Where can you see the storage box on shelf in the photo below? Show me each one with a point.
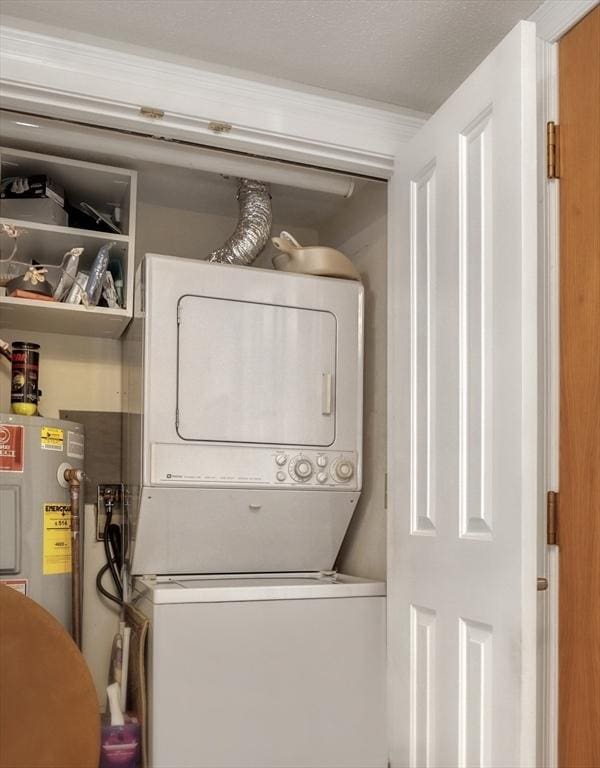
(101, 187)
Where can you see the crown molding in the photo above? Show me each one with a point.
(554, 18)
(63, 78)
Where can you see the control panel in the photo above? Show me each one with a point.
(266, 467)
(314, 468)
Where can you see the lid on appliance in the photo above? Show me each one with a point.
(244, 587)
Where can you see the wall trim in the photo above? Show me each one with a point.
(556, 17)
(60, 77)
(549, 392)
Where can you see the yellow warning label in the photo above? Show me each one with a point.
(52, 438)
(57, 538)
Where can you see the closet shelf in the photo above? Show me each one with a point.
(73, 231)
(48, 242)
(50, 317)
(103, 187)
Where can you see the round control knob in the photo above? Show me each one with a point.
(304, 469)
(344, 471)
(322, 477)
(281, 476)
(280, 459)
(322, 461)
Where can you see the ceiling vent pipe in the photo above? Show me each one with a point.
(253, 229)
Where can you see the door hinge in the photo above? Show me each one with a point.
(551, 518)
(385, 490)
(552, 150)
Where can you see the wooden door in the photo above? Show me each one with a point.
(579, 482)
(463, 424)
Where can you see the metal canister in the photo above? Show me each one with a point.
(24, 378)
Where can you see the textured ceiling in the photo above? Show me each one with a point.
(410, 53)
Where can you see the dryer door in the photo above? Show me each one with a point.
(255, 373)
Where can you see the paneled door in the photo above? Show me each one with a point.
(463, 425)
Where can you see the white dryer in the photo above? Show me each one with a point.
(243, 424)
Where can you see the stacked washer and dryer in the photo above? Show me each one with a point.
(243, 466)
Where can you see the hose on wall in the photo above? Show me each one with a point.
(74, 478)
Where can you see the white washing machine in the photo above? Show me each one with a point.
(265, 671)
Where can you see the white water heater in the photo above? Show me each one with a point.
(35, 508)
(243, 424)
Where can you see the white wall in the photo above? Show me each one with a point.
(76, 373)
(360, 231)
(193, 234)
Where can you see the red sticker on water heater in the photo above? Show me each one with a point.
(11, 448)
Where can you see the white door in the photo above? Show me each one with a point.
(463, 424)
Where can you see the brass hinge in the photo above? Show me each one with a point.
(552, 150)
(551, 518)
(152, 112)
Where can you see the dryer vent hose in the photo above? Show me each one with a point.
(253, 229)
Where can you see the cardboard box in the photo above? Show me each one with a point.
(20, 294)
(43, 210)
(37, 186)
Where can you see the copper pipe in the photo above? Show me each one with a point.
(74, 477)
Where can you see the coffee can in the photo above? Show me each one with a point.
(24, 378)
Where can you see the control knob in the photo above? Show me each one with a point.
(322, 477)
(280, 459)
(322, 461)
(303, 469)
(344, 471)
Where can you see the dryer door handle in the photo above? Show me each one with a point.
(327, 382)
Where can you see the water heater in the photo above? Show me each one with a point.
(35, 511)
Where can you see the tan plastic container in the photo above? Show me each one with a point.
(312, 260)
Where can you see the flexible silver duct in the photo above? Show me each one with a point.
(253, 229)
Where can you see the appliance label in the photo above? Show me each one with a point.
(19, 585)
(75, 442)
(57, 539)
(52, 438)
(11, 448)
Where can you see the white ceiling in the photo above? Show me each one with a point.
(410, 53)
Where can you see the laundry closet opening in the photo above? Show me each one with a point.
(178, 208)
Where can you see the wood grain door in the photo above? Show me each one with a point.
(579, 534)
